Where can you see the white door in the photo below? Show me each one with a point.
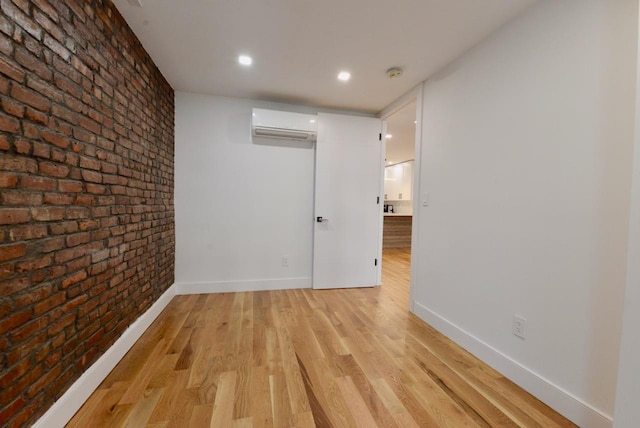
(347, 209)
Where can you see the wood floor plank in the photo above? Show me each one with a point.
(142, 410)
(201, 415)
(361, 414)
(280, 403)
(306, 358)
(261, 395)
(176, 401)
(223, 406)
(380, 413)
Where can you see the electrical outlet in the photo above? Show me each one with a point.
(520, 327)
(285, 260)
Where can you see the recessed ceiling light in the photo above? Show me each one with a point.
(388, 136)
(312, 121)
(245, 60)
(344, 76)
(415, 122)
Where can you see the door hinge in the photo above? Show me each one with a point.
(378, 200)
(379, 137)
(375, 262)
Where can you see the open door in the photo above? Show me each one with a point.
(348, 213)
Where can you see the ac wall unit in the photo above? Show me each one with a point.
(283, 125)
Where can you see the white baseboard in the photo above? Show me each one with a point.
(63, 410)
(562, 401)
(239, 286)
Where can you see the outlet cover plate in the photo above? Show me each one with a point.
(519, 327)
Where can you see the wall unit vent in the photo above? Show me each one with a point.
(283, 125)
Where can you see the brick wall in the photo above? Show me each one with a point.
(86, 193)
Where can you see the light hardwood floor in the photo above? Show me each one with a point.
(353, 358)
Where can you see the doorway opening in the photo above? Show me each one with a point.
(399, 194)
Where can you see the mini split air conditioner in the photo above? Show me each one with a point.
(283, 125)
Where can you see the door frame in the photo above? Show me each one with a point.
(415, 94)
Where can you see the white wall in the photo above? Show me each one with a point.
(240, 206)
(627, 411)
(526, 154)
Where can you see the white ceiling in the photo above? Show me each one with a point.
(299, 46)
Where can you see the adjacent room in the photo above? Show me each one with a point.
(338, 213)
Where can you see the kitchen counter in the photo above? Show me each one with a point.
(396, 232)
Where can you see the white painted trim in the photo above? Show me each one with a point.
(415, 94)
(417, 198)
(63, 410)
(383, 153)
(405, 99)
(546, 391)
(626, 412)
(242, 285)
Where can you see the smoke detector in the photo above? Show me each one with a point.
(394, 72)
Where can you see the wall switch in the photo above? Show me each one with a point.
(519, 327)
(285, 260)
(425, 200)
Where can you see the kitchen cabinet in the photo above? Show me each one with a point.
(397, 232)
(398, 180)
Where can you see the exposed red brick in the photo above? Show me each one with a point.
(85, 199)
(91, 176)
(22, 146)
(9, 123)
(18, 198)
(64, 228)
(13, 108)
(28, 329)
(32, 63)
(4, 143)
(46, 7)
(61, 323)
(53, 169)
(33, 264)
(47, 214)
(55, 139)
(52, 244)
(41, 150)
(67, 85)
(12, 286)
(12, 251)
(86, 161)
(34, 295)
(6, 270)
(37, 183)
(14, 215)
(18, 164)
(78, 238)
(31, 98)
(11, 70)
(12, 408)
(36, 116)
(8, 181)
(49, 303)
(14, 320)
(25, 233)
(69, 186)
(58, 199)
